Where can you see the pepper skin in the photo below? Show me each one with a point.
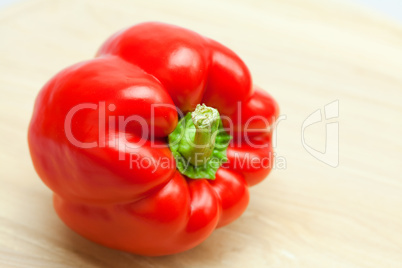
(82, 143)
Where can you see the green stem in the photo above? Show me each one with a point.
(206, 122)
(199, 143)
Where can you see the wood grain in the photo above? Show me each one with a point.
(307, 54)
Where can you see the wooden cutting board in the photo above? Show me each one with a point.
(307, 54)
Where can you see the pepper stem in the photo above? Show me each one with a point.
(206, 122)
(199, 143)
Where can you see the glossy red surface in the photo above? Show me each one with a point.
(81, 151)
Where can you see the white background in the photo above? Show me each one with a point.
(390, 8)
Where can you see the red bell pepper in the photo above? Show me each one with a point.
(105, 137)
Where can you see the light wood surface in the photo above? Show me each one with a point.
(307, 54)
